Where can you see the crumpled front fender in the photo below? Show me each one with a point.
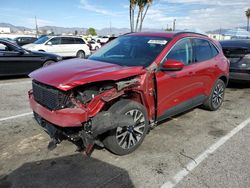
(105, 121)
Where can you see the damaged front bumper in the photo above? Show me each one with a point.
(67, 117)
(73, 124)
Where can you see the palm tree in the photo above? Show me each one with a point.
(131, 13)
(141, 4)
(248, 17)
(148, 3)
(141, 14)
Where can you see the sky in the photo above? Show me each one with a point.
(189, 14)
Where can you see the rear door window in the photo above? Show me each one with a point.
(202, 49)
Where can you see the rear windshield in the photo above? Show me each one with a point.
(131, 50)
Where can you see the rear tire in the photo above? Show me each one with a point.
(216, 97)
(80, 54)
(123, 141)
(47, 63)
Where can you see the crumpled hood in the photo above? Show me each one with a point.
(74, 72)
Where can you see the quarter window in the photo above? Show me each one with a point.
(214, 50)
(182, 51)
(79, 41)
(68, 40)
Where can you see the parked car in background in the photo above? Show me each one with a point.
(65, 46)
(15, 60)
(238, 53)
(102, 39)
(24, 40)
(111, 38)
(9, 39)
(94, 45)
(129, 85)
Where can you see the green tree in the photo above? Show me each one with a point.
(91, 31)
(168, 29)
(248, 17)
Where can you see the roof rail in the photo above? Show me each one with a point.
(188, 32)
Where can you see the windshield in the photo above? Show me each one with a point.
(41, 40)
(131, 50)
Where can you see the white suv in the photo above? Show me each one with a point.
(61, 45)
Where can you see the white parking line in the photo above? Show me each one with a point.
(14, 83)
(193, 164)
(17, 116)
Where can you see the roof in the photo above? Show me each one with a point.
(164, 34)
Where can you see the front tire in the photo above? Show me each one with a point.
(47, 63)
(216, 97)
(123, 141)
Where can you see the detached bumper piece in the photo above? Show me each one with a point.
(86, 136)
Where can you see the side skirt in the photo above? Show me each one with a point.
(187, 105)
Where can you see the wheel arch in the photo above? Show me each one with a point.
(224, 79)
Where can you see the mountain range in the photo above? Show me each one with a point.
(104, 31)
(60, 30)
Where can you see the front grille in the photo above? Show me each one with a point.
(48, 96)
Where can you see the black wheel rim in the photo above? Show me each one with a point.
(128, 137)
(218, 95)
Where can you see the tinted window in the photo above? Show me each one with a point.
(7, 47)
(3, 47)
(215, 52)
(182, 51)
(68, 40)
(55, 41)
(131, 50)
(79, 41)
(202, 50)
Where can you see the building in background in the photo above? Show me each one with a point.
(5, 30)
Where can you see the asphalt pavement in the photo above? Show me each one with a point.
(177, 153)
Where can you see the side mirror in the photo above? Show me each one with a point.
(172, 65)
(49, 43)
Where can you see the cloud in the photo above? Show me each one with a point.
(84, 4)
(201, 14)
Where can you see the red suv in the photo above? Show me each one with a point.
(113, 98)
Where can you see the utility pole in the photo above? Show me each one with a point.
(36, 27)
(110, 28)
(174, 24)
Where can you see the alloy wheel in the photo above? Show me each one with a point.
(128, 137)
(218, 95)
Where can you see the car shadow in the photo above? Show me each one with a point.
(238, 85)
(69, 171)
(13, 77)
